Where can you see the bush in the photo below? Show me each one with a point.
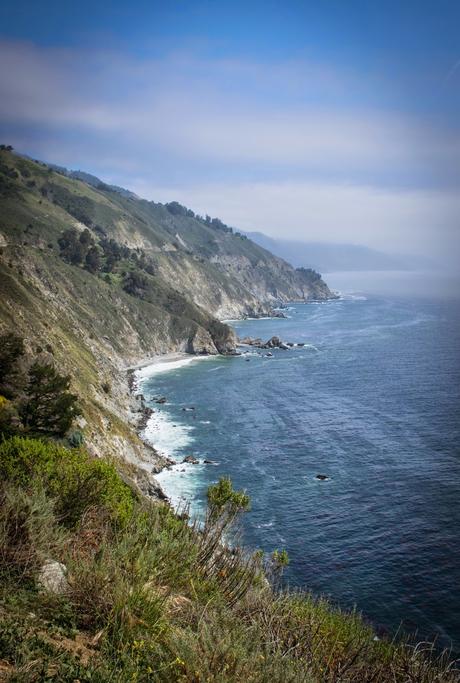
(222, 496)
(73, 479)
(76, 439)
(135, 283)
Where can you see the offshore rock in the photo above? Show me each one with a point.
(191, 460)
(272, 343)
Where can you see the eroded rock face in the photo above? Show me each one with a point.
(228, 344)
(202, 344)
(52, 578)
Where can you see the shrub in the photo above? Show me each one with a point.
(135, 283)
(75, 439)
(73, 479)
(222, 496)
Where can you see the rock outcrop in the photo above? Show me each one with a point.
(52, 578)
(201, 344)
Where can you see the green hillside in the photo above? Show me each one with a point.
(104, 280)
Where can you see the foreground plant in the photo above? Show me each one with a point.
(152, 597)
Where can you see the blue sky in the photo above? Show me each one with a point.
(324, 120)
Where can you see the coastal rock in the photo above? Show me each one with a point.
(52, 578)
(146, 413)
(149, 486)
(164, 464)
(251, 341)
(201, 344)
(161, 400)
(191, 460)
(225, 340)
(272, 343)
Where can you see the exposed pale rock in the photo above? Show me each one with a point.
(202, 344)
(52, 577)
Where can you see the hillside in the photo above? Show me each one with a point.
(98, 280)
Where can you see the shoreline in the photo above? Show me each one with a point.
(154, 419)
(145, 368)
(168, 357)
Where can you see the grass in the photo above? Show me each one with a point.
(153, 597)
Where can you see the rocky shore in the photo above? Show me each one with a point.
(272, 343)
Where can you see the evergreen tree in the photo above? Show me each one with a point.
(93, 260)
(49, 407)
(11, 349)
(73, 250)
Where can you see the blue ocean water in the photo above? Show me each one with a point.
(372, 401)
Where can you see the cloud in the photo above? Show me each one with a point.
(405, 221)
(221, 112)
(294, 148)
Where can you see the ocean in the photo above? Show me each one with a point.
(371, 401)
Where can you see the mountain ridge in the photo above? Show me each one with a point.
(327, 257)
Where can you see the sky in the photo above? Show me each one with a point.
(323, 121)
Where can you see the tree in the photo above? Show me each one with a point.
(73, 250)
(135, 283)
(309, 274)
(9, 419)
(11, 349)
(85, 238)
(93, 260)
(49, 407)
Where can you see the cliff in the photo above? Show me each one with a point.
(103, 279)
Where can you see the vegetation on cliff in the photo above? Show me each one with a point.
(143, 595)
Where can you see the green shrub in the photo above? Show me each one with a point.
(76, 438)
(222, 496)
(72, 478)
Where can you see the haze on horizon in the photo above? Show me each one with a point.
(332, 122)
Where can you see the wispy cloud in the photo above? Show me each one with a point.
(295, 147)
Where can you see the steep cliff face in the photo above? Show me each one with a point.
(104, 279)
